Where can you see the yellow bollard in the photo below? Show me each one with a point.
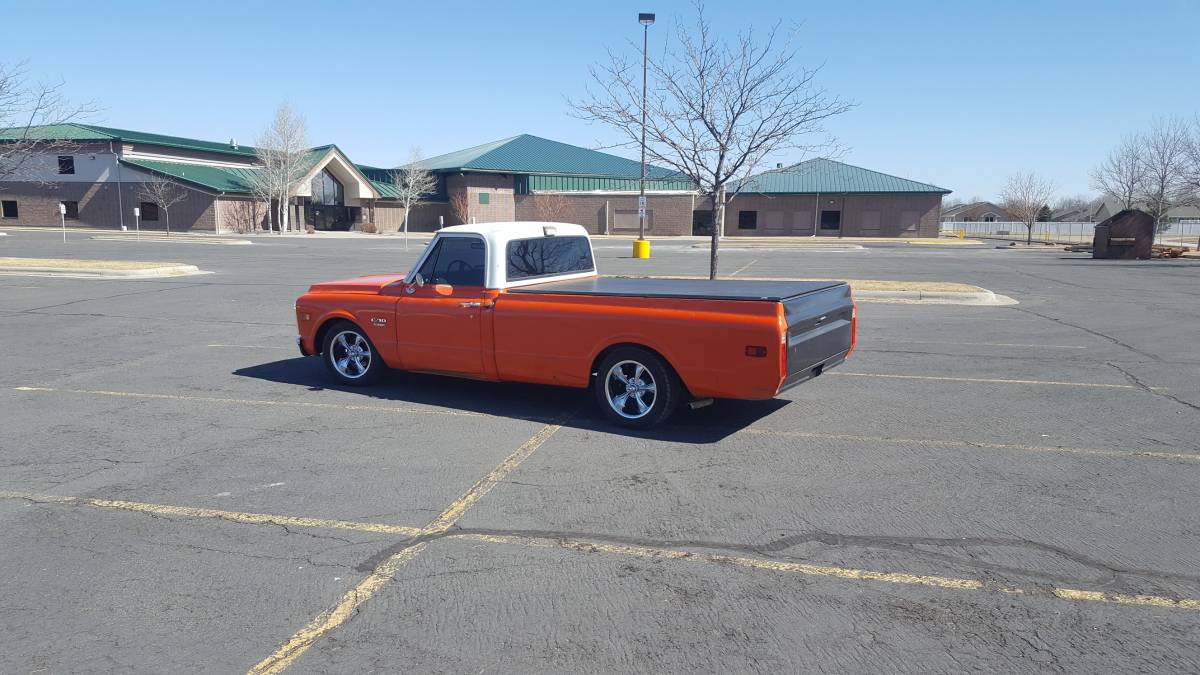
(641, 248)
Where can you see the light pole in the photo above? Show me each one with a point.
(641, 247)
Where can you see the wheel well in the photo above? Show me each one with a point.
(608, 350)
(323, 330)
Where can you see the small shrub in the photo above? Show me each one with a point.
(309, 229)
(369, 228)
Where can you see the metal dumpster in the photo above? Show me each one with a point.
(1126, 236)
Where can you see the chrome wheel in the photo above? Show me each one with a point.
(630, 389)
(350, 354)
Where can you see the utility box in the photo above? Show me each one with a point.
(1127, 235)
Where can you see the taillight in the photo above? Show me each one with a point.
(853, 324)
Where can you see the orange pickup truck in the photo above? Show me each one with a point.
(522, 302)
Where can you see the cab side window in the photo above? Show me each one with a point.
(458, 261)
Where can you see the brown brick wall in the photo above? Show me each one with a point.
(499, 189)
(99, 206)
(666, 215)
(871, 215)
(389, 216)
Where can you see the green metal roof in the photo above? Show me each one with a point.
(215, 178)
(173, 141)
(54, 132)
(92, 132)
(534, 155)
(827, 176)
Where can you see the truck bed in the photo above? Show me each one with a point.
(701, 289)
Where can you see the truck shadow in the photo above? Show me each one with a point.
(574, 408)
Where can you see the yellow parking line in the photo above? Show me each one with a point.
(1127, 454)
(337, 615)
(218, 514)
(984, 380)
(247, 401)
(934, 581)
(330, 619)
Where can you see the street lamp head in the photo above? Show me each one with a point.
(645, 19)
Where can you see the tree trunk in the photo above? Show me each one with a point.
(718, 209)
(407, 208)
(167, 213)
(1029, 234)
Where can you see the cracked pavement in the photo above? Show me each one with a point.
(1013, 485)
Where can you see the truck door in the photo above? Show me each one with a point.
(439, 324)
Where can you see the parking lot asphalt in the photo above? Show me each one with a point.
(978, 488)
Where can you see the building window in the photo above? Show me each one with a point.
(149, 211)
(9, 209)
(484, 198)
(66, 164)
(747, 220)
(72, 210)
(327, 190)
(989, 218)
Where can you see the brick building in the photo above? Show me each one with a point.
(827, 198)
(99, 173)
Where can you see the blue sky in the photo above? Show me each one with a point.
(957, 93)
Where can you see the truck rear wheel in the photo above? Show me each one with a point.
(635, 388)
(350, 356)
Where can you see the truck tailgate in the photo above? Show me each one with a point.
(820, 331)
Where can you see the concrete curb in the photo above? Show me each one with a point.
(158, 239)
(98, 273)
(982, 298)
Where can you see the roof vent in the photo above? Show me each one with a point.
(233, 143)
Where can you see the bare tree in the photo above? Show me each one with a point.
(282, 151)
(551, 207)
(1164, 152)
(1122, 175)
(413, 185)
(25, 107)
(1024, 196)
(1074, 203)
(460, 207)
(164, 194)
(716, 110)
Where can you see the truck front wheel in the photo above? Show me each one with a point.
(635, 388)
(350, 356)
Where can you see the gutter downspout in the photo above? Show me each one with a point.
(120, 197)
(816, 214)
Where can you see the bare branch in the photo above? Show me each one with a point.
(282, 151)
(26, 109)
(413, 185)
(716, 111)
(1024, 196)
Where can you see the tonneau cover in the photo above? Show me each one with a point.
(706, 289)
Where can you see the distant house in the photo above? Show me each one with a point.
(976, 212)
(1110, 207)
(1080, 214)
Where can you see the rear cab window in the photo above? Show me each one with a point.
(458, 261)
(548, 256)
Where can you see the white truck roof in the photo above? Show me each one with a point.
(496, 237)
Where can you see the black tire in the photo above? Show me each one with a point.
(641, 407)
(350, 356)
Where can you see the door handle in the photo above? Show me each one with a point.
(472, 304)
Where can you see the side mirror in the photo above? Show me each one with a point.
(418, 280)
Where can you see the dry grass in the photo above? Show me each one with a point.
(77, 264)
